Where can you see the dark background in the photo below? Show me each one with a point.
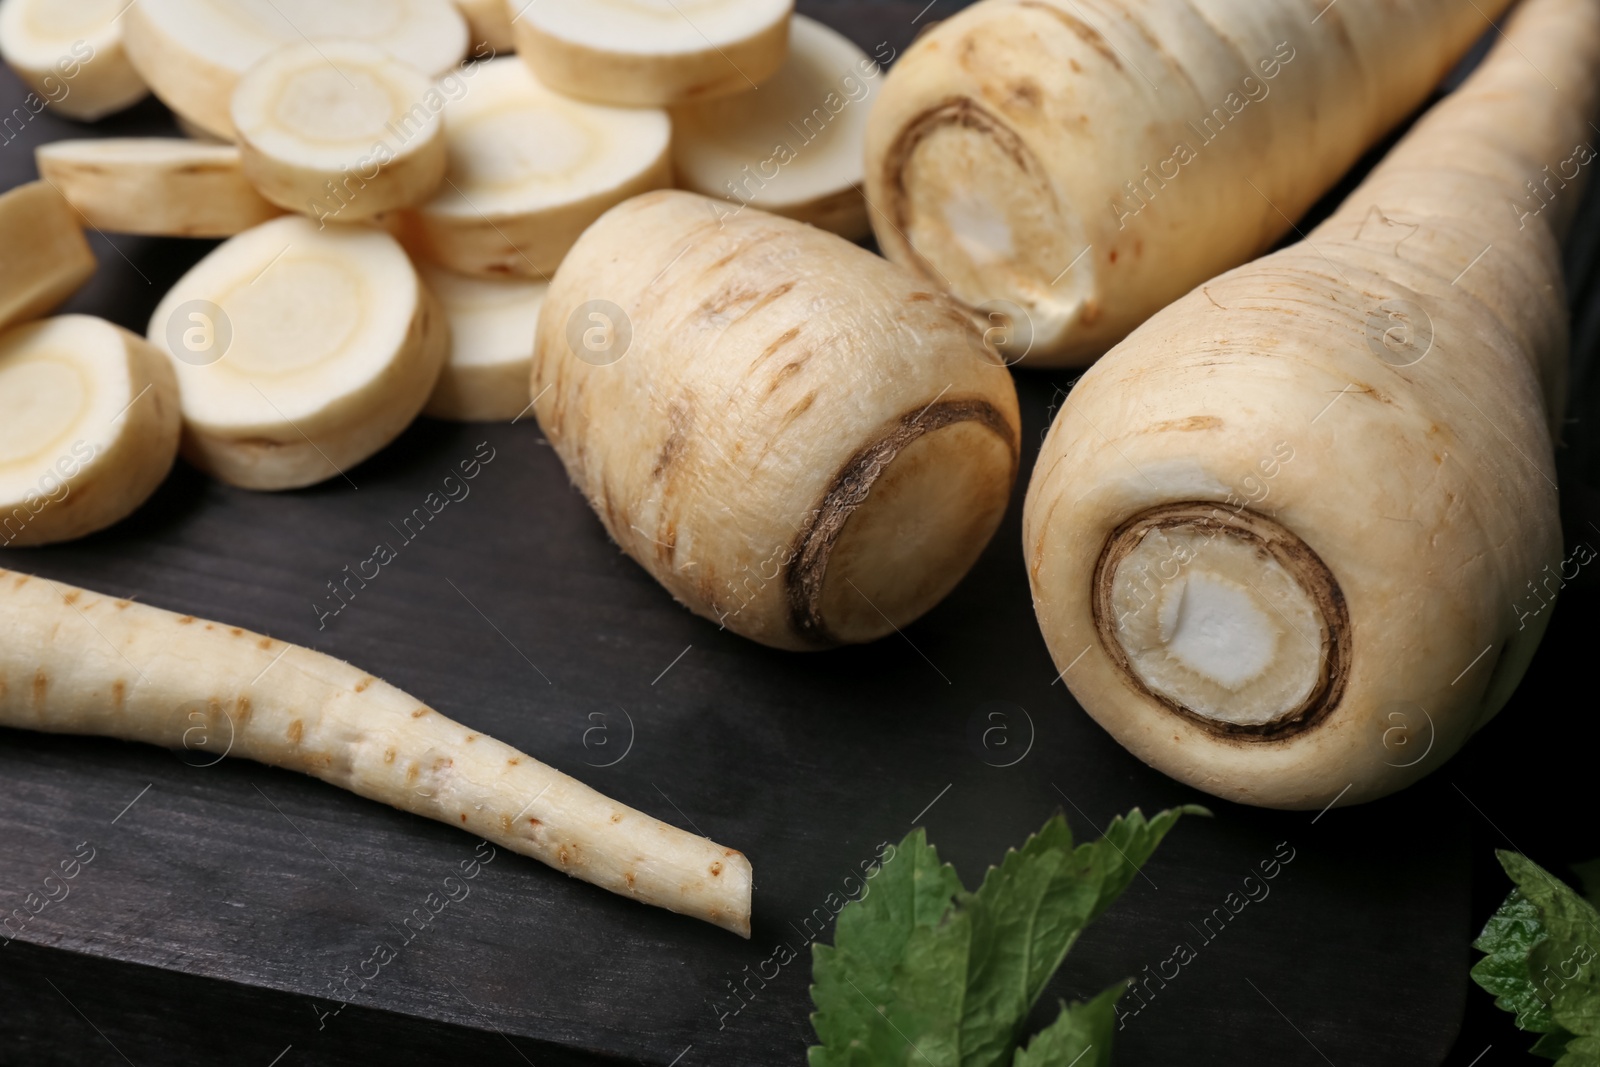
(221, 901)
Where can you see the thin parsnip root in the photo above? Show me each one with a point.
(1081, 166)
(71, 53)
(300, 351)
(339, 130)
(492, 321)
(529, 170)
(80, 663)
(652, 55)
(794, 147)
(88, 427)
(44, 257)
(163, 187)
(1287, 541)
(795, 437)
(193, 52)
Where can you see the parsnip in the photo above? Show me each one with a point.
(192, 52)
(1282, 538)
(792, 435)
(794, 147)
(492, 321)
(71, 53)
(44, 257)
(300, 351)
(339, 130)
(489, 22)
(88, 427)
(653, 53)
(1090, 163)
(529, 170)
(79, 663)
(165, 187)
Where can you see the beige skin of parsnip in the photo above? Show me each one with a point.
(801, 441)
(77, 662)
(46, 256)
(1414, 503)
(1027, 151)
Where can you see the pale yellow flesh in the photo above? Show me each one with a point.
(492, 322)
(1424, 485)
(45, 258)
(80, 663)
(71, 53)
(1090, 164)
(795, 437)
(164, 187)
(88, 427)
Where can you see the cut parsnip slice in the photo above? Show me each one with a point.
(654, 52)
(88, 427)
(339, 130)
(300, 351)
(193, 52)
(489, 22)
(161, 186)
(43, 255)
(491, 345)
(795, 147)
(76, 662)
(71, 53)
(529, 171)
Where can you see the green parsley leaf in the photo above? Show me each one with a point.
(1080, 1036)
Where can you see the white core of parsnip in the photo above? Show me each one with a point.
(88, 427)
(193, 52)
(77, 662)
(1370, 412)
(492, 321)
(163, 187)
(339, 130)
(44, 257)
(798, 439)
(652, 53)
(529, 170)
(70, 52)
(1092, 163)
(334, 347)
(794, 146)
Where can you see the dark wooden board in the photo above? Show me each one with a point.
(223, 900)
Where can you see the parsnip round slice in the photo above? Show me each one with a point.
(646, 53)
(489, 22)
(71, 53)
(43, 255)
(491, 345)
(339, 130)
(88, 427)
(795, 147)
(160, 186)
(193, 52)
(529, 171)
(300, 351)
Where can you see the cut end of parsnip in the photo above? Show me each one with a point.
(794, 147)
(300, 351)
(650, 53)
(158, 186)
(193, 52)
(975, 210)
(492, 322)
(44, 257)
(338, 130)
(1228, 619)
(529, 170)
(88, 427)
(70, 52)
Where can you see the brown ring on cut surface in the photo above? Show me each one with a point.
(851, 485)
(1290, 552)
